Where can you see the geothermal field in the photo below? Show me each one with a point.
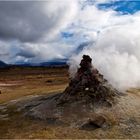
(43, 102)
(70, 69)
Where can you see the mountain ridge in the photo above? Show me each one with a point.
(3, 64)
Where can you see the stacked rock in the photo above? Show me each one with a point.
(89, 82)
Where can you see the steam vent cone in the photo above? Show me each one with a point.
(83, 103)
(89, 85)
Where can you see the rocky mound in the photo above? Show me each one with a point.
(89, 84)
(80, 104)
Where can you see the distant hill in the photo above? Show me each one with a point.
(3, 64)
(55, 62)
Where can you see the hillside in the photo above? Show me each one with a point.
(2, 64)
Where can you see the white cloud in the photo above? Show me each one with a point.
(29, 30)
(32, 20)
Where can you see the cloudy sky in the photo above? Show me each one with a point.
(107, 30)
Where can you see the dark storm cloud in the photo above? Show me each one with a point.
(29, 30)
(26, 21)
(4, 54)
(15, 21)
(26, 54)
(28, 51)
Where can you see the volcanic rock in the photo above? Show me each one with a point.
(89, 84)
(95, 123)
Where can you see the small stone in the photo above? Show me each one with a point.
(93, 124)
(86, 89)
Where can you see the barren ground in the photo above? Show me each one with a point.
(24, 83)
(16, 82)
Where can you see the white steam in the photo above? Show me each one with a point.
(115, 50)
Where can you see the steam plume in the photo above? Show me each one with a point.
(116, 54)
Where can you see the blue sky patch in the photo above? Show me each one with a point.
(124, 7)
(66, 34)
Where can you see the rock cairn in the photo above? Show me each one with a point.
(90, 85)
